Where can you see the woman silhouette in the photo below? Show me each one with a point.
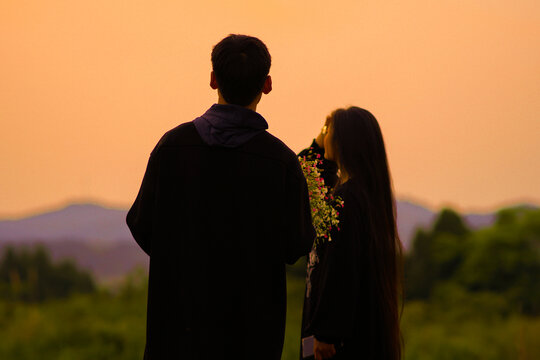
(352, 308)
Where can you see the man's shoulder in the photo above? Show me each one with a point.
(183, 134)
(270, 146)
(264, 145)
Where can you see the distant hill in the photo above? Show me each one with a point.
(411, 216)
(95, 237)
(98, 239)
(77, 222)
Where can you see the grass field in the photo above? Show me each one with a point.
(112, 326)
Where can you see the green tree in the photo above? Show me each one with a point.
(450, 222)
(30, 275)
(418, 281)
(505, 259)
(436, 254)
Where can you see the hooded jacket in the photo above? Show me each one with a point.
(229, 125)
(223, 206)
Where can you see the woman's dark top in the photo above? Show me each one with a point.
(337, 301)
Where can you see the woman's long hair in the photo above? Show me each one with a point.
(359, 149)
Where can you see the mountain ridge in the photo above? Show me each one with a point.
(97, 237)
(91, 221)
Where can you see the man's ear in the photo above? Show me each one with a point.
(213, 81)
(267, 87)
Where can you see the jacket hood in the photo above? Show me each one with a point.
(229, 125)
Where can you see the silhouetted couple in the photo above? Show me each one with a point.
(224, 205)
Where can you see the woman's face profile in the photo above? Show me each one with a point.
(329, 144)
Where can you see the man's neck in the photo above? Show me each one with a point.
(252, 106)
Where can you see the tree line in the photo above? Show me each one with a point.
(29, 275)
(502, 260)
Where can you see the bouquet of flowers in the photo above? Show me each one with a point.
(324, 207)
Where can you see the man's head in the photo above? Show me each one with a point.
(240, 69)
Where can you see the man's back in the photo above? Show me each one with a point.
(219, 224)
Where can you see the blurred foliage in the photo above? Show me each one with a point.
(30, 275)
(450, 222)
(100, 325)
(454, 324)
(471, 295)
(467, 326)
(435, 255)
(502, 260)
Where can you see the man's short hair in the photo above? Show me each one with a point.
(241, 64)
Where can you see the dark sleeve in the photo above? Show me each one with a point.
(140, 215)
(312, 150)
(336, 310)
(327, 167)
(299, 231)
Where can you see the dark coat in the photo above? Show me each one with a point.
(337, 301)
(219, 223)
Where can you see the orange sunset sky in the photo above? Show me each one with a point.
(88, 87)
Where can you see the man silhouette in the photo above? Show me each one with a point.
(222, 208)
